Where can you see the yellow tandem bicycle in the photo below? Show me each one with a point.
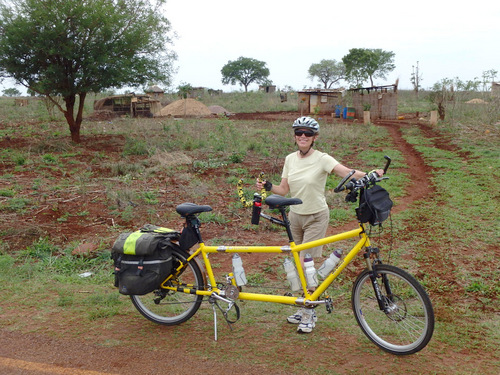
(391, 307)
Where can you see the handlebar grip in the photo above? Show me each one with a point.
(387, 164)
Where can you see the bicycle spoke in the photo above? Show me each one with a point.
(407, 323)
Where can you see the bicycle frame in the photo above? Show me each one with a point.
(308, 299)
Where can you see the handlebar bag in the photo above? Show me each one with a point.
(143, 259)
(374, 205)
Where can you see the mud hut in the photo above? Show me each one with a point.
(319, 101)
(154, 91)
(381, 101)
(128, 104)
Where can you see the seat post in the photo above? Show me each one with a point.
(195, 224)
(287, 223)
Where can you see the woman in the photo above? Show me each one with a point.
(304, 176)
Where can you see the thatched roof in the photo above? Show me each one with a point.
(154, 88)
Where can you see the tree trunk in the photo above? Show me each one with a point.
(74, 123)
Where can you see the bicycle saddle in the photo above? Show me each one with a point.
(185, 209)
(277, 201)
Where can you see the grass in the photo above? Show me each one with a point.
(458, 225)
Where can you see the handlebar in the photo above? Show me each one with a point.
(369, 179)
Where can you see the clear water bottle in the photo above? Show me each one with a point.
(330, 263)
(310, 271)
(291, 274)
(238, 271)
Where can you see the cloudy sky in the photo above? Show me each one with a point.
(448, 38)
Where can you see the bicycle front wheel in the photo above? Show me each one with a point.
(171, 307)
(405, 322)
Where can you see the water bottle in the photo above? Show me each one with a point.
(238, 271)
(330, 263)
(257, 206)
(291, 275)
(310, 271)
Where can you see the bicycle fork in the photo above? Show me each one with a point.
(372, 272)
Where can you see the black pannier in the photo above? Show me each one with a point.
(143, 259)
(374, 205)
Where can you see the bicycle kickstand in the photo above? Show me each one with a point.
(213, 301)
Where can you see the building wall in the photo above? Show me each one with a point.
(383, 104)
(325, 102)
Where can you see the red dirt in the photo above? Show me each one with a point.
(64, 353)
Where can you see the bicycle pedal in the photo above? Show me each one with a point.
(329, 305)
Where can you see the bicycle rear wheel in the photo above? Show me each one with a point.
(406, 323)
(170, 307)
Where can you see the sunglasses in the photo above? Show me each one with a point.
(307, 133)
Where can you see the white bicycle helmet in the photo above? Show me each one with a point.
(305, 122)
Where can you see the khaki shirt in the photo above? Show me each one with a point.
(307, 180)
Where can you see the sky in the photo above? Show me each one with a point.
(447, 39)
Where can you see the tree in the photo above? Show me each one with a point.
(363, 64)
(69, 48)
(488, 78)
(245, 71)
(328, 72)
(184, 90)
(11, 92)
(416, 78)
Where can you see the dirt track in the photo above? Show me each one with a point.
(24, 353)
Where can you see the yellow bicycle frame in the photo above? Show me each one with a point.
(294, 249)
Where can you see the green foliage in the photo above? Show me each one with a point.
(244, 71)
(150, 197)
(135, 147)
(363, 63)
(91, 46)
(328, 72)
(11, 92)
(15, 204)
(7, 193)
(213, 217)
(184, 90)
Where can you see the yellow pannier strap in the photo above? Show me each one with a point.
(129, 245)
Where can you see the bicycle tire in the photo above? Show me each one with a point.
(406, 327)
(168, 307)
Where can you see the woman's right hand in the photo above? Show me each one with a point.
(260, 184)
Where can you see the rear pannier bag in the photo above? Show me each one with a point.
(374, 205)
(143, 259)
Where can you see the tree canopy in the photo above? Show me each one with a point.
(245, 70)
(363, 64)
(69, 48)
(328, 72)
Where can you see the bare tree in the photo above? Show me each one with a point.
(416, 78)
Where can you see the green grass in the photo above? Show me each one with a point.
(457, 225)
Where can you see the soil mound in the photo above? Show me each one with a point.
(185, 108)
(476, 101)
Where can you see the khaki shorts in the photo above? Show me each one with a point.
(307, 228)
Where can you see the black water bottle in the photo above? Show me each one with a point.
(257, 206)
